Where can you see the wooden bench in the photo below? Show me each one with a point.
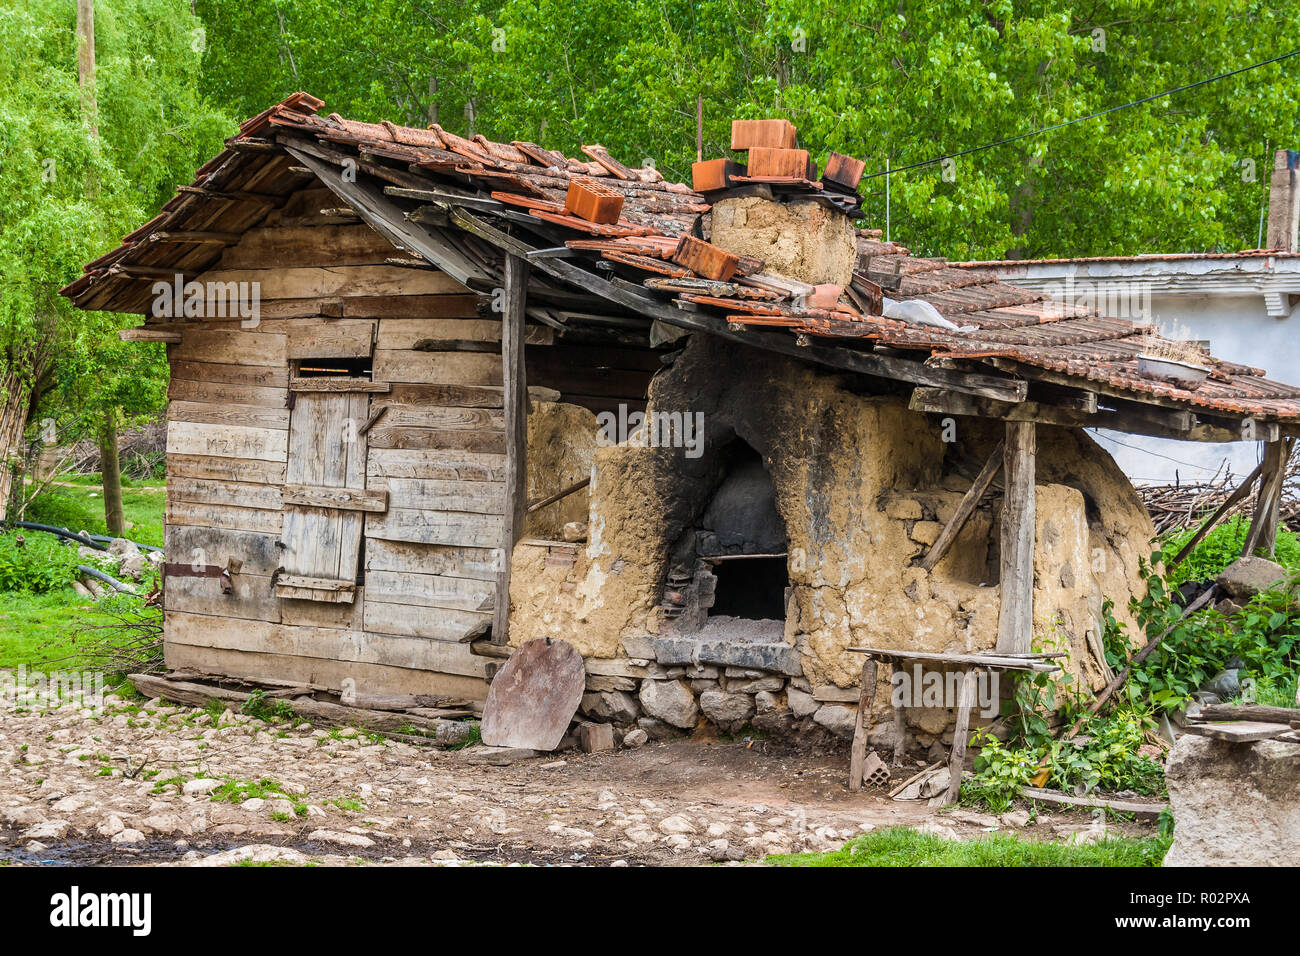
(969, 665)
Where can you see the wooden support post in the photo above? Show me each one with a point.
(964, 510)
(1263, 524)
(965, 700)
(867, 696)
(1220, 513)
(900, 730)
(516, 415)
(1016, 610)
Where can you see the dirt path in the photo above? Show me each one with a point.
(72, 790)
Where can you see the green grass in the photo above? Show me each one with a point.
(77, 502)
(900, 846)
(37, 628)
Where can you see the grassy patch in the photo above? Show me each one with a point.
(37, 628)
(237, 791)
(900, 846)
(77, 503)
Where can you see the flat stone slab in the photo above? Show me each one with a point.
(778, 657)
(533, 699)
(499, 756)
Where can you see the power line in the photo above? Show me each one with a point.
(1084, 119)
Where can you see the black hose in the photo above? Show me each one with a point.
(108, 579)
(86, 539)
(92, 540)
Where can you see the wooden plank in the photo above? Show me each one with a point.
(466, 306)
(1016, 580)
(988, 661)
(232, 347)
(487, 442)
(211, 413)
(957, 760)
(213, 371)
(220, 393)
(224, 517)
(256, 552)
(458, 396)
(432, 527)
(312, 282)
(227, 441)
(252, 598)
(197, 630)
(307, 588)
(345, 499)
(436, 624)
(436, 368)
(336, 383)
(965, 509)
(479, 564)
(447, 418)
(324, 338)
(430, 494)
(427, 334)
(321, 245)
(145, 333)
(217, 492)
(381, 678)
(225, 469)
(515, 381)
(1259, 712)
(445, 465)
(1145, 810)
(314, 613)
(430, 590)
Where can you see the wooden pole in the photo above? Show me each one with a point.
(1016, 591)
(1263, 524)
(858, 755)
(964, 510)
(965, 700)
(516, 415)
(1242, 490)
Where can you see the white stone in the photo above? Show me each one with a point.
(670, 701)
(202, 786)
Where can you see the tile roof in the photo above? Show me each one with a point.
(1002, 328)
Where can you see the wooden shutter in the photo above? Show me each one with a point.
(325, 496)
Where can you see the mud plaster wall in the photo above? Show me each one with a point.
(863, 485)
(561, 443)
(802, 240)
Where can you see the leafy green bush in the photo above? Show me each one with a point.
(1104, 756)
(1264, 637)
(1220, 548)
(41, 564)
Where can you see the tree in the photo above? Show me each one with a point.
(66, 195)
(890, 82)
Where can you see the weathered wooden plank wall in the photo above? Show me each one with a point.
(433, 459)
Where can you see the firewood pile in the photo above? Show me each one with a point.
(1187, 504)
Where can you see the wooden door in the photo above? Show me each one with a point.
(325, 497)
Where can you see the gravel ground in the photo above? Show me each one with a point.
(158, 784)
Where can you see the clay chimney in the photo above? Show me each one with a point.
(1283, 202)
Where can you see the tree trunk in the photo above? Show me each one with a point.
(13, 418)
(111, 471)
(86, 63)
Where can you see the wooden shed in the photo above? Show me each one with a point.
(355, 315)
